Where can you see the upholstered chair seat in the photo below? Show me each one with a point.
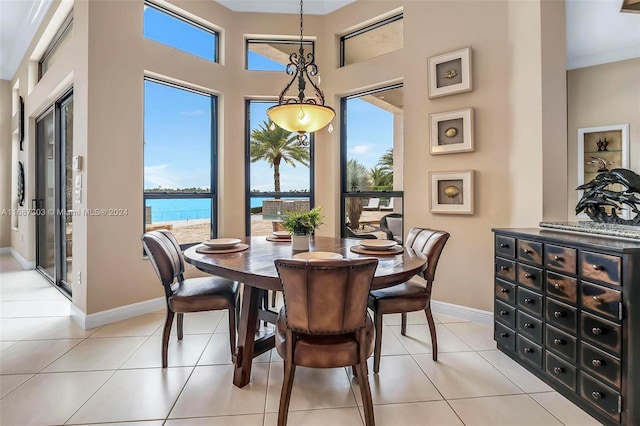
(203, 294)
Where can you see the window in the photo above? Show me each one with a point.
(279, 172)
(167, 27)
(60, 40)
(370, 41)
(180, 130)
(273, 55)
(372, 147)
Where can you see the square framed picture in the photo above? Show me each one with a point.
(451, 132)
(452, 192)
(450, 73)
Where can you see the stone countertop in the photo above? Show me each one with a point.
(621, 231)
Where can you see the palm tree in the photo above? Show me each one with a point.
(382, 179)
(275, 146)
(358, 179)
(385, 163)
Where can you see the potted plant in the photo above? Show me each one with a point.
(301, 225)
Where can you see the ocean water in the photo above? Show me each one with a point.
(183, 209)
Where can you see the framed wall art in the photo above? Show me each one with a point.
(452, 192)
(601, 149)
(450, 73)
(21, 123)
(451, 132)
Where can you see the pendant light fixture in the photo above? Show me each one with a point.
(302, 114)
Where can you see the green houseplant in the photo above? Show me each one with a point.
(301, 225)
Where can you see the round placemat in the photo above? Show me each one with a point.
(279, 240)
(391, 252)
(234, 249)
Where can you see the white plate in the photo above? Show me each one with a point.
(282, 234)
(318, 255)
(378, 244)
(222, 243)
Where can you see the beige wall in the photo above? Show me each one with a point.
(6, 154)
(602, 95)
(108, 59)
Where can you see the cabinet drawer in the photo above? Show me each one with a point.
(506, 269)
(530, 301)
(530, 327)
(560, 258)
(506, 314)
(602, 300)
(505, 246)
(601, 267)
(506, 291)
(562, 287)
(530, 276)
(601, 333)
(529, 351)
(530, 251)
(600, 395)
(561, 316)
(600, 364)
(505, 337)
(561, 343)
(560, 370)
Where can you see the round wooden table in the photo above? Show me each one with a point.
(256, 269)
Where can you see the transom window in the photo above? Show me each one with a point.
(60, 40)
(273, 55)
(373, 40)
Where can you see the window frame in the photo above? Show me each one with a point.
(305, 42)
(363, 30)
(55, 42)
(173, 14)
(213, 183)
(344, 157)
(247, 169)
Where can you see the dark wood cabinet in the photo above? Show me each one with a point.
(567, 308)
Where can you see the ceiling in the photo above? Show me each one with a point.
(596, 30)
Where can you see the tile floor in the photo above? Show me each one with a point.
(53, 372)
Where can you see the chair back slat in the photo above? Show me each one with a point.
(430, 242)
(326, 296)
(165, 255)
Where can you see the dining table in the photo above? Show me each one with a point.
(255, 268)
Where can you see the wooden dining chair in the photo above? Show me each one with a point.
(410, 296)
(187, 295)
(324, 321)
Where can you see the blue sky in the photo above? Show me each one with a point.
(177, 123)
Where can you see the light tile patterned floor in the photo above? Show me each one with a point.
(53, 372)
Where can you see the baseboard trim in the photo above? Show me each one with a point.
(116, 314)
(463, 312)
(5, 250)
(26, 264)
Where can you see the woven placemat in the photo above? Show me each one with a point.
(390, 252)
(279, 239)
(208, 250)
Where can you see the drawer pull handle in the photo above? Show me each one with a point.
(529, 301)
(558, 314)
(558, 341)
(557, 258)
(528, 350)
(503, 245)
(504, 313)
(597, 299)
(528, 275)
(504, 290)
(598, 267)
(528, 325)
(504, 334)
(504, 268)
(596, 395)
(596, 330)
(596, 363)
(527, 251)
(558, 370)
(557, 286)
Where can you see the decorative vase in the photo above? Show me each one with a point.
(300, 242)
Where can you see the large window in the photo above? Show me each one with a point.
(373, 40)
(179, 161)
(279, 172)
(372, 147)
(167, 27)
(273, 55)
(60, 40)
